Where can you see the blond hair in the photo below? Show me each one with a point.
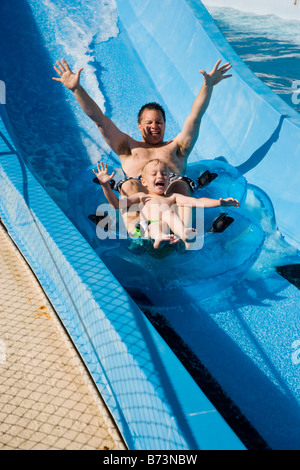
(157, 161)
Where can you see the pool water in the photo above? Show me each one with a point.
(269, 46)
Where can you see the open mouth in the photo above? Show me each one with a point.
(160, 184)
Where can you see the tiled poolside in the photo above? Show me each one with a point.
(47, 399)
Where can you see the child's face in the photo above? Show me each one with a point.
(156, 178)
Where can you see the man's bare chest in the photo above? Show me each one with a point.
(141, 155)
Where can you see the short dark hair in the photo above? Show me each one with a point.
(151, 106)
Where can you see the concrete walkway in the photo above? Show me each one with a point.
(47, 399)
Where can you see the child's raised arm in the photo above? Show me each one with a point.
(104, 179)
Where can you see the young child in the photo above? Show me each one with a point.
(158, 209)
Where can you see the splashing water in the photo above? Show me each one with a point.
(276, 251)
(75, 27)
(269, 45)
(55, 137)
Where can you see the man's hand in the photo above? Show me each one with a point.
(217, 74)
(102, 174)
(67, 77)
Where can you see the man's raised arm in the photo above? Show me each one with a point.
(189, 134)
(112, 135)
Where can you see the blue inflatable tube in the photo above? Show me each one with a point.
(175, 278)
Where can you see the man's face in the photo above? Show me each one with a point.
(156, 178)
(152, 126)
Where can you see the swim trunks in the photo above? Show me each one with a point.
(172, 177)
(142, 226)
(177, 177)
(118, 185)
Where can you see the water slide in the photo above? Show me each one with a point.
(216, 372)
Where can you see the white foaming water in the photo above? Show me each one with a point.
(269, 45)
(70, 30)
(76, 27)
(276, 251)
(269, 26)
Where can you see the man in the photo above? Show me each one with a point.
(133, 154)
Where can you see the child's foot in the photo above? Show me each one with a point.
(165, 240)
(190, 234)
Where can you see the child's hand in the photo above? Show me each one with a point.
(229, 202)
(102, 175)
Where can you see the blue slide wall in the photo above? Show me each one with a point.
(245, 122)
(154, 401)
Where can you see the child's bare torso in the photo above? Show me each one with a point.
(153, 206)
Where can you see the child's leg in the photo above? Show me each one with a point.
(183, 212)
(175, 223)
(160, 232)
